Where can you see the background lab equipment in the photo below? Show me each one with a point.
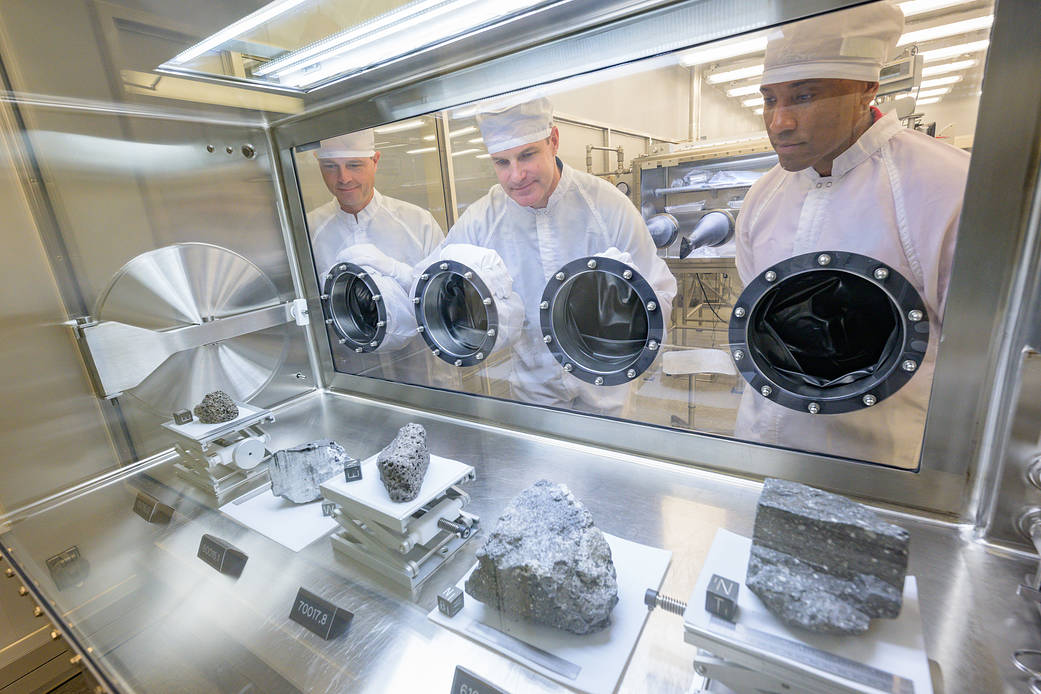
(155, 191)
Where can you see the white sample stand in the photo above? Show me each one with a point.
(225, 460)
(407, 541)
(591, 663)
(759, 654)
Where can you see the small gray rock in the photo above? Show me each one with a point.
(216, 407)
(548, 562)
(297, 472)
(403, 464)
(823, 562)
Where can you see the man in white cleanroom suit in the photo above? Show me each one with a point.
(541, 215)
(362, 226)
(849, 179)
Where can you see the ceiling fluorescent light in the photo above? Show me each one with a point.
(465, 151)
(753, 102)
(951, 51)
(475, 141)
(920, 6)
(463, 131)
(966, 26)
(740, 73)
(715, 53)
(957, 65)
(926, 93)
(400, 127)
(482, 156)
(744, 91)
(421, 150)
(398, 33)
(248, 23)
(940, 81)
(758, 111)
(926, 102)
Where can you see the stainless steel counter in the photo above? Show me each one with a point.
(157, 619)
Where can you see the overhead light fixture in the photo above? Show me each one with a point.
(741, 73)
(246, 24)
(939, 82)
(966, 26)
(429, 138)
(921, 6)
(465, 151)
(400, 32)
(758, 112)
(421, 150)
(476, 140)
(926, 93)
(744, 91)
(482, 156)
(926, 102)
(400, 127)
(462, 131)
(715, 53)
(753, 102)
(951, 51)
(464, 112)
(957, 65)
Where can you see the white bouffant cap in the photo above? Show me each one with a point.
(506, 124)
(352, 146)
(849, 44)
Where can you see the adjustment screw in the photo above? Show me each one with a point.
(9, 573)
(479, 356)
(374, 344)
(547, 339)
(766, 390)
(869, 399)
(914, 315)
(55, 635)
(881, 273)
(443, 266)
(909, 365)
(22, 590)
(652, 345)
(436, 352)
(491, 332)
(458, 362)
(328, 321)
(342, 267)
(813, 408)
(738, 355)
(468, 275)
(325, 297)
(362, 275)
(381, 323)
(598, 381)
(415, 300)
(569, 367)
(824, 259)
(421, 329)
(770, 276)
(358, 350)
(487, 301)
(37, 611)
(631, 373)
(739, 311)
(544, 305)
(377, 297)
(424, 277)
(560, 276)
(651, 306)
(591, 264)
(342, 341)
(627, 274)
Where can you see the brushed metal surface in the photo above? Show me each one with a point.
(158, 619)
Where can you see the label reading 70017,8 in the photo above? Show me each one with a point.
(319, 615)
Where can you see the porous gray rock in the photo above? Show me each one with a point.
(216, 407)
(297, 472)
(823, 562)
(548, 562)
(403, 464)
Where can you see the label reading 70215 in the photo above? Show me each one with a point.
(319, 615)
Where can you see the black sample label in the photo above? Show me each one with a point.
(222, 555)
(466, 682)
(149, 508)
(319, 615)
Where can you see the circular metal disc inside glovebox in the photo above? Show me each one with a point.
(352, 301)
(828, 332)
(601, 320)
(456, 313)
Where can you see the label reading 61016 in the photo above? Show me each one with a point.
(466, 682)
(319, 615)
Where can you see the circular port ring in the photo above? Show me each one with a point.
(456, 313)
(351, 300)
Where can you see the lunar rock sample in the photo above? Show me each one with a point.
(823, 562)
(404, 463)
(216, 407)
(297, 472)
(547, 561)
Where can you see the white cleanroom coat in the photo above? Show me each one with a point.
(403, 233)
(894, 195)
(584, 216)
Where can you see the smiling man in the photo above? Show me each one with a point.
(542, 215)
(849, 179)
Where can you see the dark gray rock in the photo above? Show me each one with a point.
(548, 562)
(216, 407)
(823, 562)
(297, 472)
(404, 463)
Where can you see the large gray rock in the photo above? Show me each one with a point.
(216, 407)
(823, 562)
(404, 463)
(297, 472)
(547, 561)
